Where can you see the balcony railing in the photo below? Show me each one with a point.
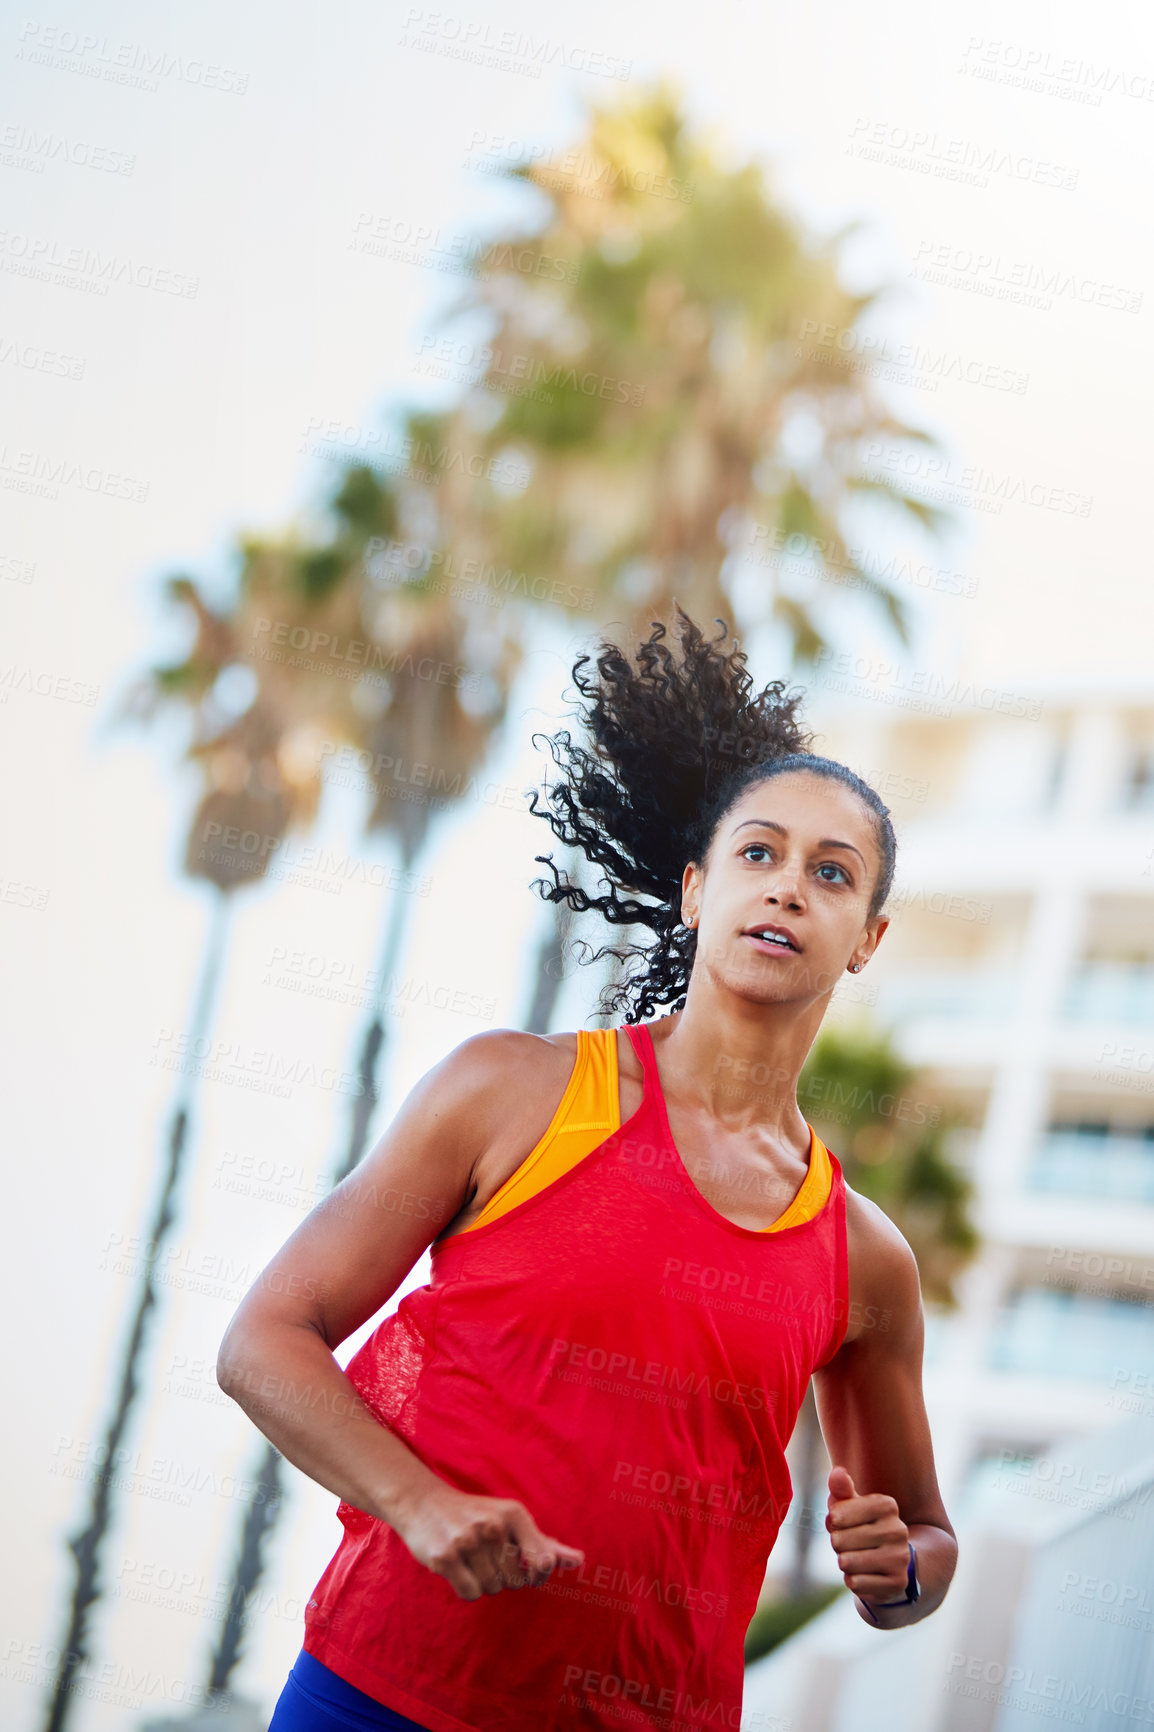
(1052, 1333)
(1112, 992)
(1111, 1166)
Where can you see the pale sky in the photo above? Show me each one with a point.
(201, 413)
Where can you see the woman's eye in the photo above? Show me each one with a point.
(832, 866)
(755, 848)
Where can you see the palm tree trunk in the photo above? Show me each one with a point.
(259, 1521)
(86, 1545)
(365, 1103)
(550, 969)
(263, 1509)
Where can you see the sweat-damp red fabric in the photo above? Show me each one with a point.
(627, 1363)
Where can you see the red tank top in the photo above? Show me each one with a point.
(627, 1363)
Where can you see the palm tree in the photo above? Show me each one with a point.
(411, 717)
(251, 787)
(645, 364)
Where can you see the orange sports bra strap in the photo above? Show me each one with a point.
(588, 1112)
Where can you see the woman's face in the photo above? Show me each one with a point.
(782, 905)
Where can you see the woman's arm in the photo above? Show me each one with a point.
(873, 1417)
(448, 1147)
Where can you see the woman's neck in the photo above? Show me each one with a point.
(739, 1061)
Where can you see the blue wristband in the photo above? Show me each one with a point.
(911, 1593)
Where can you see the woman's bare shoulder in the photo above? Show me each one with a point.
(500, 1091)
(883, 1271)
(506, 1081)
(498, 1056)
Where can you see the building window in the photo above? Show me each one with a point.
(1095, 1160)
(1112, 991)
(1051, 1332)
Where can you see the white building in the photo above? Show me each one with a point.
(1019, 973)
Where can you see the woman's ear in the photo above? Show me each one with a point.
(690, 895)
(877, 928)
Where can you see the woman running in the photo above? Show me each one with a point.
(641, 1254)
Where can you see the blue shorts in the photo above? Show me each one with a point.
(315, 1700)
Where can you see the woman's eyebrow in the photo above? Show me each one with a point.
(765, 823)
(829, 842)
(826, 841)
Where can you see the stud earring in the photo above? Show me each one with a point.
(855, 967)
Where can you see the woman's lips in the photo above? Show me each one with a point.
(774, 947)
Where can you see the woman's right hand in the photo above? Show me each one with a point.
(480, 1544)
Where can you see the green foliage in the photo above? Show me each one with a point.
(365, 503)
(888, 1131)
(649, 360)
(320, 570)
(774, 1623)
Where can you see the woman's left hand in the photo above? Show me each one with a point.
(870, 1538)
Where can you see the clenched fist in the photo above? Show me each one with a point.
(481, 1544)
(870, 1538)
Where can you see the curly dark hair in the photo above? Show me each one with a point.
(675, 740)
